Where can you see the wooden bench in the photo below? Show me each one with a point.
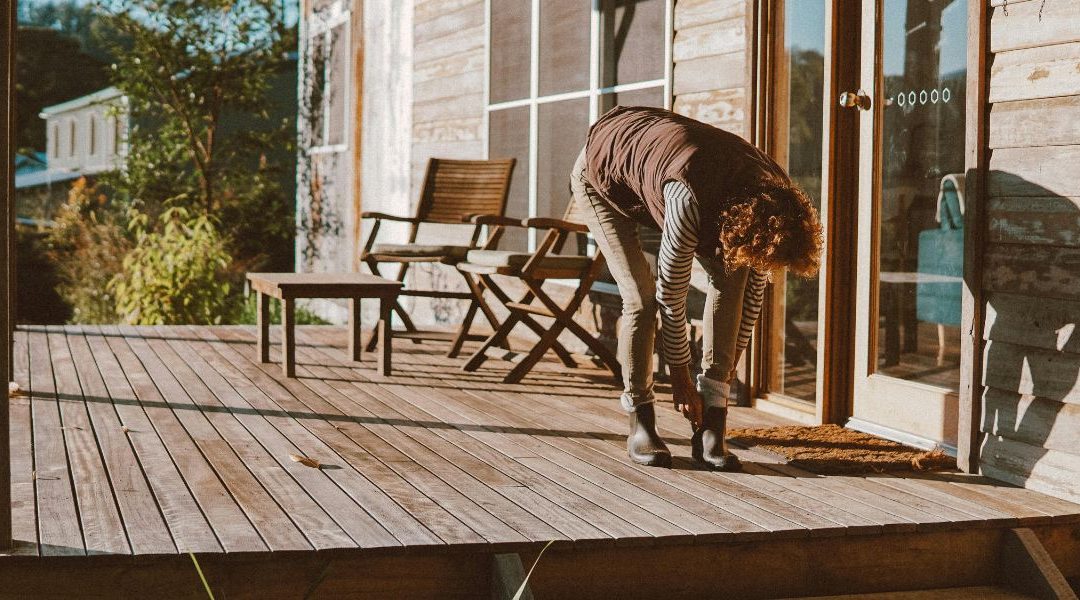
(288, 287)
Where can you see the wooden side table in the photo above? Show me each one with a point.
(287, 287)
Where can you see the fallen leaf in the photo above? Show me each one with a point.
(125, 428)
(12, 389)
(72, 427)
(307, 462)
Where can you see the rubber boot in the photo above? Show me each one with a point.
(708, 446)
(643, 444)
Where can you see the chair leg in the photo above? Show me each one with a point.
(500, 334)
(600, 350)
(463, 331)
(560, 350)
(542, 345)
(373, 337)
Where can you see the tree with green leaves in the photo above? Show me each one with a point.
(197, 77)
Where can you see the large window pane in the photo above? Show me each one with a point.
(510, 48)
(791, 324)
(564, 45)
(921, 252)
(508, 132)
(646, 97)
(338, 65)
(562, 130)
(632, 41)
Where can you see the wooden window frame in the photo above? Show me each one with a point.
(839, 203)
(594, 92)
(323, 24)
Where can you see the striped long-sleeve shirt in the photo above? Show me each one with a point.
(674, 264)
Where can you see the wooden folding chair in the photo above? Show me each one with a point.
(532, 269)
(453, 192)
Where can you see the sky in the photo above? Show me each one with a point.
(805, 24)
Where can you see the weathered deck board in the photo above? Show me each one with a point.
(158, 441)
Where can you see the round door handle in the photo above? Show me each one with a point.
(858, 99)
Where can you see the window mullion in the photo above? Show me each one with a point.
(534, 88)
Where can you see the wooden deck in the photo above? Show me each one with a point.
(132, 447)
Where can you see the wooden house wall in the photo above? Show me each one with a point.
(1031, 273)
(712, 55)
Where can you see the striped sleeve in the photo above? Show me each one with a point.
(752, 298)
(674, 264)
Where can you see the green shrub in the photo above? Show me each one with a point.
(87, 247)
(176, 274)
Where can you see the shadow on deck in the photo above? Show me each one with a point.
(132, 447)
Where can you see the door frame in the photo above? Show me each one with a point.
(839, 208)
(968, 394)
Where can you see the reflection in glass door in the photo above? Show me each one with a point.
(920, 219)
(791, 322)
(911, 226)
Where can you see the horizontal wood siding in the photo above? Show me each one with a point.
(1031, 275)
(448, 82)
(711, 54)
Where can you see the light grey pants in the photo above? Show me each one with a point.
(617, 237)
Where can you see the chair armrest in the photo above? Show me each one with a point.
(547, 223)
(388, 217)
(494, 220)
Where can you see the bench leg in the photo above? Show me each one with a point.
(386, 333)
(356, 345)
(288, 337)
(262, 318)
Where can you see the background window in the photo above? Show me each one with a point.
(326, 84)
(557, 65)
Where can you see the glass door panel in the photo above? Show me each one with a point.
(911, 256)
(921, 248)
(791, 323)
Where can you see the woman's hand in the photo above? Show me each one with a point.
(685, 395)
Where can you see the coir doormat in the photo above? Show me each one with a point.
(834, 450)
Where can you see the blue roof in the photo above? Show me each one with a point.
(30, 163)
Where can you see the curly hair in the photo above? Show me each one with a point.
(771, 225)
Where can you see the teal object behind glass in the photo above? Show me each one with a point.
(941, 252)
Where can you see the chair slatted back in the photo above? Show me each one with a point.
(573, 212)
(455, 189)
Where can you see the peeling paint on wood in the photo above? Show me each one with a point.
(1033, 24)
(711, 39)
(1036, 73)
(1040, 172)
(710, 73)
(723, 108)
(1032, 420)
(1045, 323)
(1053, 220)
(690, 13)
(450, 65)
(1032, 123)
(1050, 271)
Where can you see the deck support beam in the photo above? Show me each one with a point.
(507, 575)
(1026, 566)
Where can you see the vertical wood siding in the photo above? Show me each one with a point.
(1031, 272)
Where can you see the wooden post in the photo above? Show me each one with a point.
(288, 337)
(7, 255)
(356, 344)
(973, 310)
(263, 322)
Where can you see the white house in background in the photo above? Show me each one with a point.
(86, 135)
